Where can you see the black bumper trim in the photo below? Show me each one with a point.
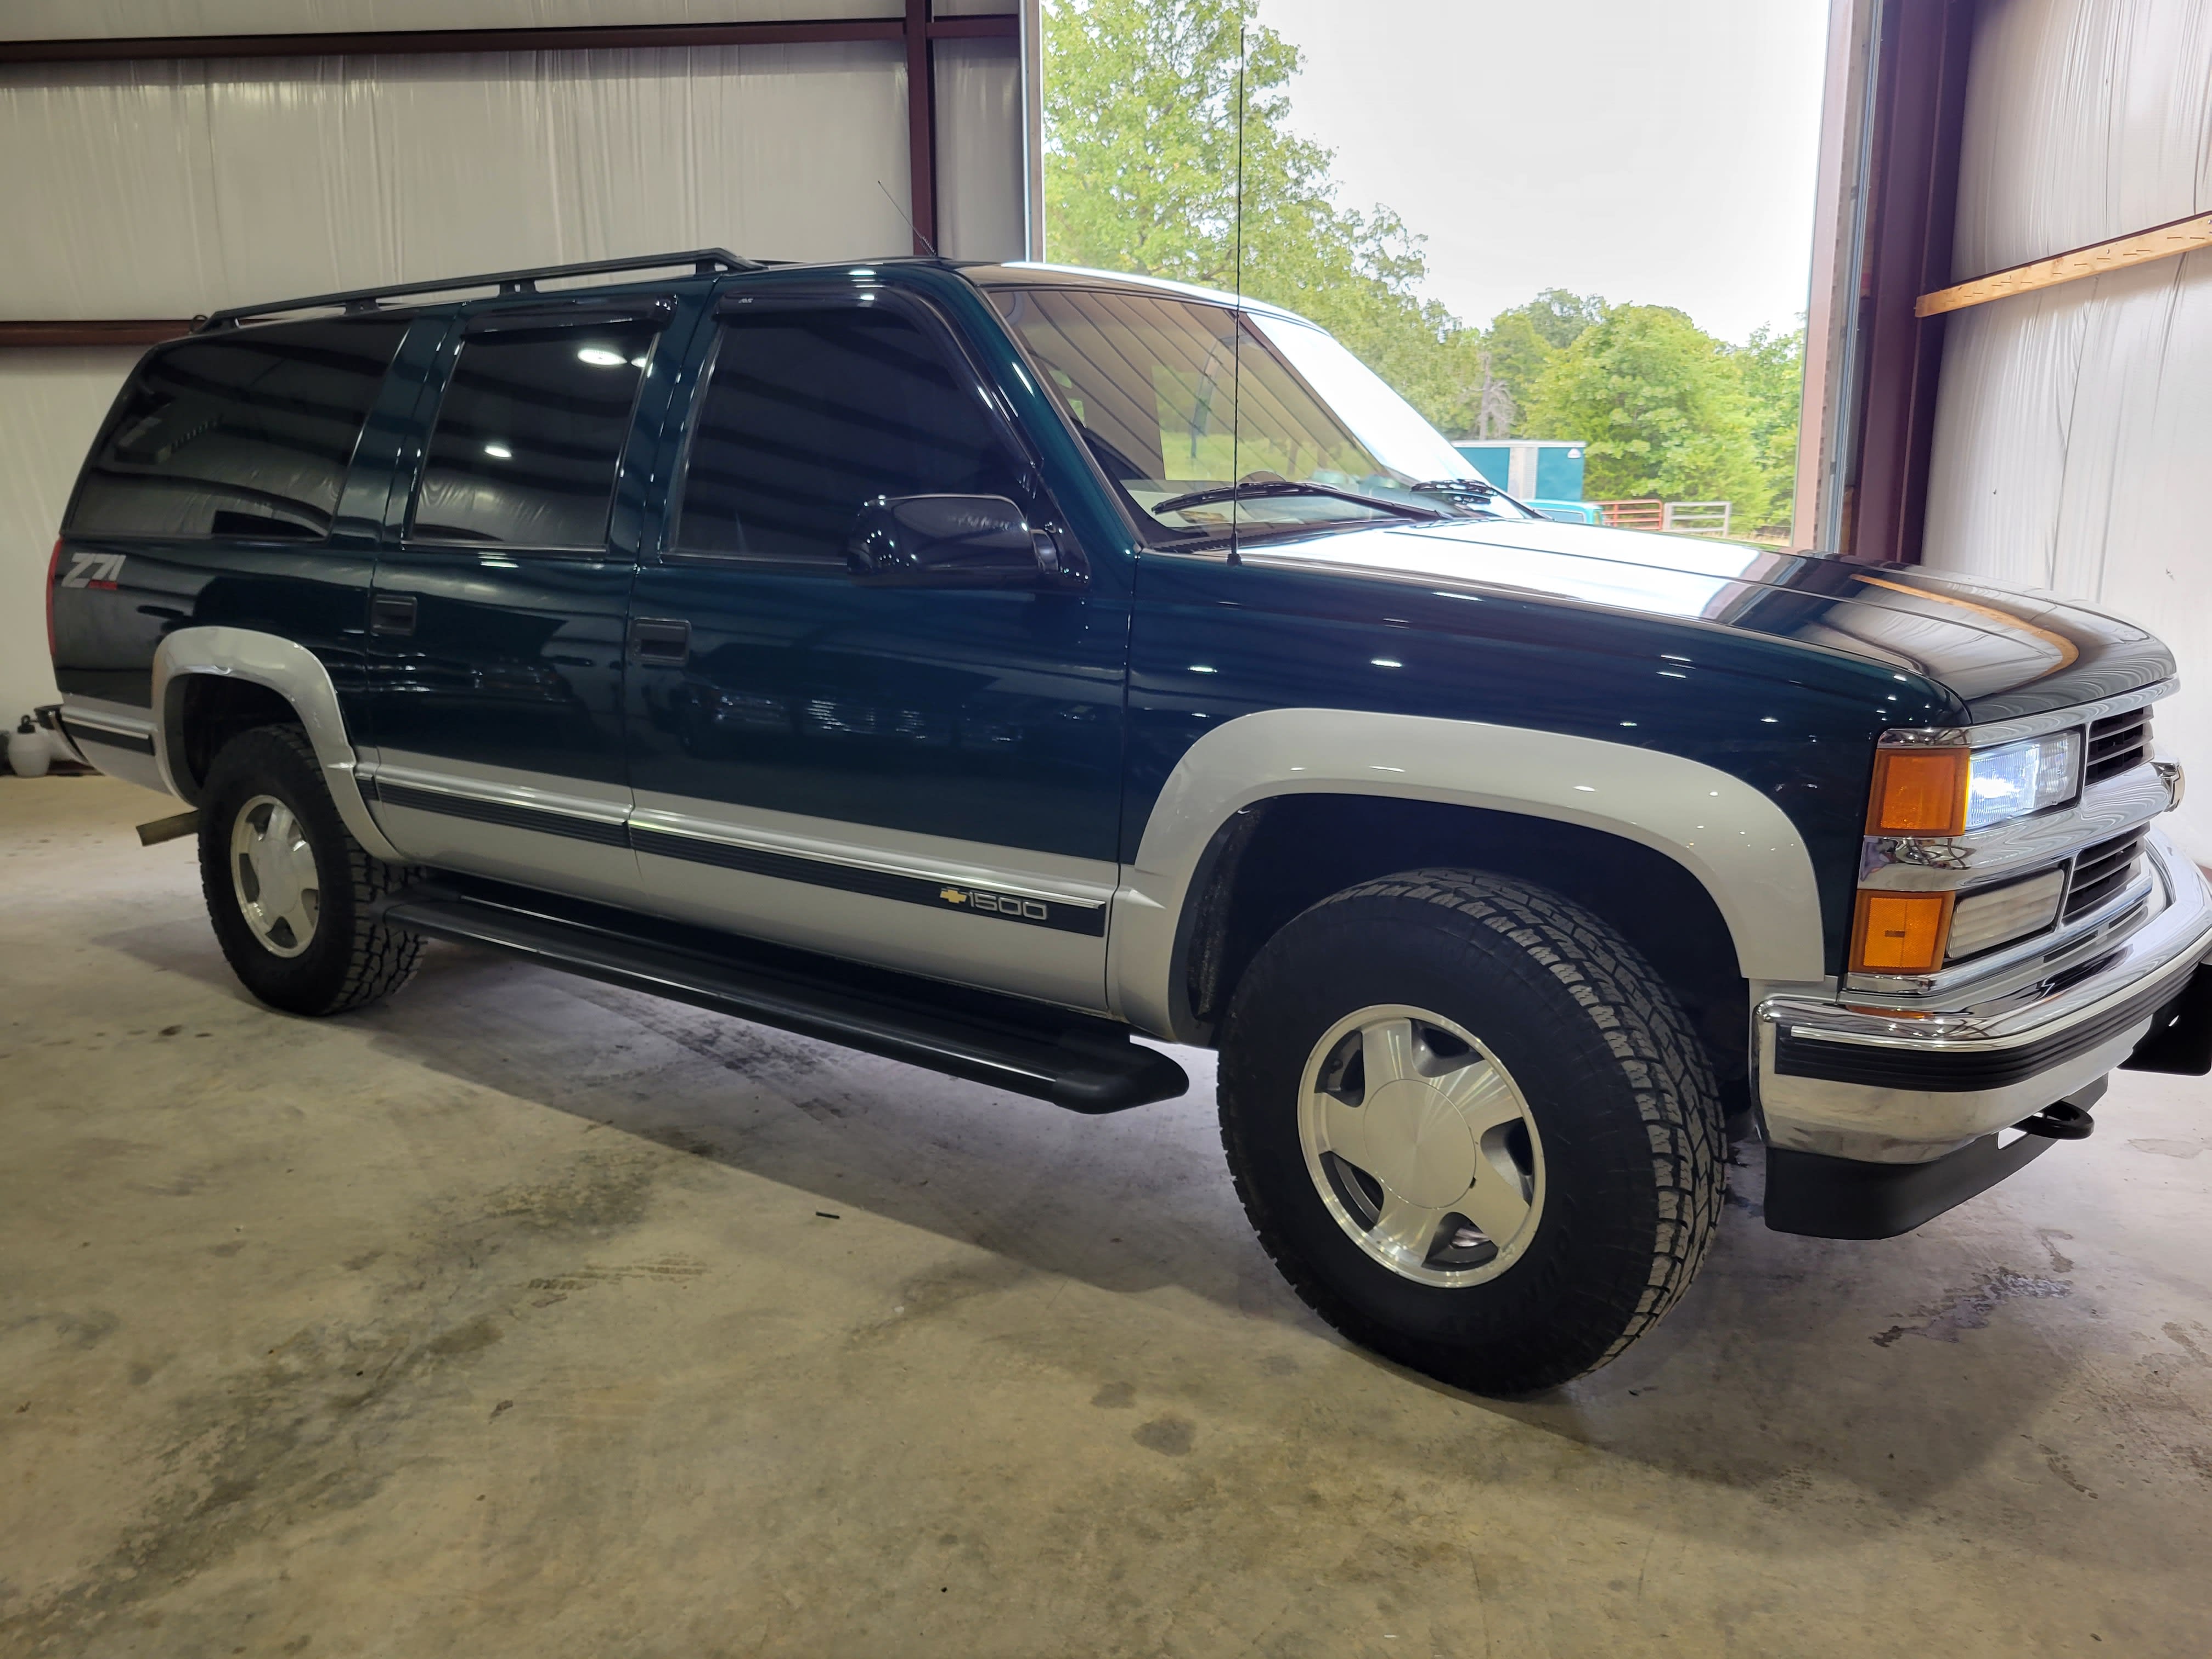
(1959, 1070)
(1842, 1198)
(2180, 1039)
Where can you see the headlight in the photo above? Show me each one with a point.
(2016, 778)
(1947, 791)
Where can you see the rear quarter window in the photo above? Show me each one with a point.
(244, 434)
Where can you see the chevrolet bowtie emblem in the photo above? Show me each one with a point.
(953, 896)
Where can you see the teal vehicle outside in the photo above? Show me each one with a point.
(984, 666)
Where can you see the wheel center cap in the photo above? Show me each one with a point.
(1417, 1145)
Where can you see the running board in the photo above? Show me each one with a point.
(1075, 1061)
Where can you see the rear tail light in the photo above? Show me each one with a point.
(53, 570)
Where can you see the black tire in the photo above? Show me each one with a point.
(348, 959)
(1619, 1091)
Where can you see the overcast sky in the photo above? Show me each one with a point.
(1659, 151)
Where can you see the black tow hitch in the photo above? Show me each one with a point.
(2061, 1121)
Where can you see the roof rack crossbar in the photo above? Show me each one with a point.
(704, 262)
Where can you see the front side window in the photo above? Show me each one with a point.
(246, 433)
(529, 438)
(1181, 400)
(811, 411)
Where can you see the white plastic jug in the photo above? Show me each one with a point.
(28, 756)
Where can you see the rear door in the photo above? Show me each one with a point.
(496, 622)
(924, 778)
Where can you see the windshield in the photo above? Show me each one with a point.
(1188, 406)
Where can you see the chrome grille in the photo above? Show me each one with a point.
(2116, 743)
(2102, 872)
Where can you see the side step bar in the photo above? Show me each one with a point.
(1075, 1061)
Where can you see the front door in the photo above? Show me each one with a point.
(497, 619)
(924, 778)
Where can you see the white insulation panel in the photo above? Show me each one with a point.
(154, 189)
(2072, 424)
(51, 402)
(167, 189)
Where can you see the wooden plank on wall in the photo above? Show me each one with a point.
(2140, 247)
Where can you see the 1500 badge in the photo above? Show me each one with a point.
(997, 904)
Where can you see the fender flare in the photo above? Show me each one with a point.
(1737, 844)
(294, 673)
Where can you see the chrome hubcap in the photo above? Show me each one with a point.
(272, 869)
(1421, 1146)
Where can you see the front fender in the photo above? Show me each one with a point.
(1738, 845)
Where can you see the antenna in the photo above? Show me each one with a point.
(909, 217)
(1236, 320)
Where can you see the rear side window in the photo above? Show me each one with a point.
(810, 413)
(529, 437)
(247, 432)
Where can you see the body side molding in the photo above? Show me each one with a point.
(296, 674)
(115, 738)
(1740, 846)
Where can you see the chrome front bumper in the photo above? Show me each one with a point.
(1882, 1086)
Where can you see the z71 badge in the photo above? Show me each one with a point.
(101, 570)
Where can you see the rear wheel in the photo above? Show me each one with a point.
(288, 889)
(1472, 1128)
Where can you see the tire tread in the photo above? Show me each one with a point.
(1642, 1027)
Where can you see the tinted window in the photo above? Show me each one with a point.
(810, 413)
(528, 438)
(246, 433)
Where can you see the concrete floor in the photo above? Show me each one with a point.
(506, 1319)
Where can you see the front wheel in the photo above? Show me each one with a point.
(288, 889)
(1472, 1127)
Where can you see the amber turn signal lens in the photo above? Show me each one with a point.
(1901, 933)
(1919, 791)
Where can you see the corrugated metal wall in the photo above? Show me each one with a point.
(2073, 424)
(150, 189)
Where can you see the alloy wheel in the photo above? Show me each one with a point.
(273, 872)
(1421, 1146)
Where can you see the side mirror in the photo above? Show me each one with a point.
(952, 541)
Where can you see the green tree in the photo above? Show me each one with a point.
(1523, 342)
(1663, 407)
(1142, 151)
(1142, 154)
(1772, 367)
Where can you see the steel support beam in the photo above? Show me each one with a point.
(388, 43)
(921, 127)
(1889, 184)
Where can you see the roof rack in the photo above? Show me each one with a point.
(705, 262)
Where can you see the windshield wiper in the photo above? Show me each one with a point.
(1284, 487)
(1471, 493)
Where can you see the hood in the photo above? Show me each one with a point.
(2004, 651)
